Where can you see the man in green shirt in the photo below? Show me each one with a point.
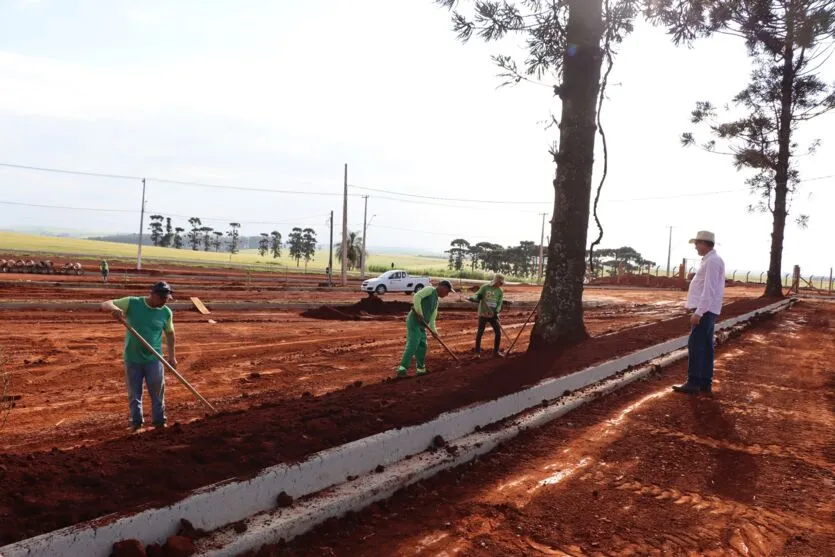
(423, 314)
(150, 316)
(105, 270)
(489, 298)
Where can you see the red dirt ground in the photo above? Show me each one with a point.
(749, 471)
(158, 467)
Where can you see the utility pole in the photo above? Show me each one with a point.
(669, 249)
(330, 256)
(141, 224)
(541, 247)
(345, 231)
(364, 228)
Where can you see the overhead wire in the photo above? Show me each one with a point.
(167, 180)
(149, 212)
(389, 194)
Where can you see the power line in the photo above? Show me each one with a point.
(421, 199)
(696, 194)
(454, 199)
(76, 172)
(434, 233)
(21, 204)
(166, 180)
(543, 202)
(134, 211)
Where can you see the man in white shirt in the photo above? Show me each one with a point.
(704, 299)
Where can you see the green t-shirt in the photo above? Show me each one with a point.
(489, 300)
(425, 304)
(149, 323)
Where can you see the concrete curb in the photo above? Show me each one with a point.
(215, 506)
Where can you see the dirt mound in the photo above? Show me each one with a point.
(367, 307)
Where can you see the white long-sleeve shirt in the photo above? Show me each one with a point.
(708, 286)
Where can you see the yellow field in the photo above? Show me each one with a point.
(43, 246)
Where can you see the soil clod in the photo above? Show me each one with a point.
(284, 500)
(129, 548)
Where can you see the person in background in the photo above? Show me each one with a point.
(704, 300)
(423, 314)
(489, 298)
(150, 317)
(105, 270)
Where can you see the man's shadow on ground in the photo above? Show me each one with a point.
(734, 473)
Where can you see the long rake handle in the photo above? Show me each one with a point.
(176, 373)
(504, 333)
(451, 353)
(436, 337)
(536, 307)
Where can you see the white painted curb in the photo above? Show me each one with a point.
(215, 506)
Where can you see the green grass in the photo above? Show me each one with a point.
(45, 246)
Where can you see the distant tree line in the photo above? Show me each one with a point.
(520, 260)
(301, 243)
(609, 261)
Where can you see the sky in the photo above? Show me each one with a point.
(281, 95)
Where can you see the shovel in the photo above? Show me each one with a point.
(153, 351)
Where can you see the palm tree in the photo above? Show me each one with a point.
(354, 249)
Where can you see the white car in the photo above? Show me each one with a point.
(394, 281)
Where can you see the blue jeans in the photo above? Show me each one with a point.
(700, 352)
(154, 376)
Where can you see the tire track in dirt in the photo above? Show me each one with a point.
(754, 449)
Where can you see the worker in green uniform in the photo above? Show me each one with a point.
(489, 298)
(423, 314)
(105, 270)
(151, 317)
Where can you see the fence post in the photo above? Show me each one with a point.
(733, 276)
(761, 277)
(786, 280)
(746, 277)
(830, 280)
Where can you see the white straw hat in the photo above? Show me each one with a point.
(705, 236)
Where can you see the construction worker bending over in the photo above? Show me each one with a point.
(489, 298)
(150, 317)
(423, 314)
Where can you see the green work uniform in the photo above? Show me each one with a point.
(104, 268)
(489, 300)
(149, 323)
(425, 305)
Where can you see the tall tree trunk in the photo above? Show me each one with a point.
(560, 317)
(774, 284)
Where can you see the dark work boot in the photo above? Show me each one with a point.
(687, 388)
